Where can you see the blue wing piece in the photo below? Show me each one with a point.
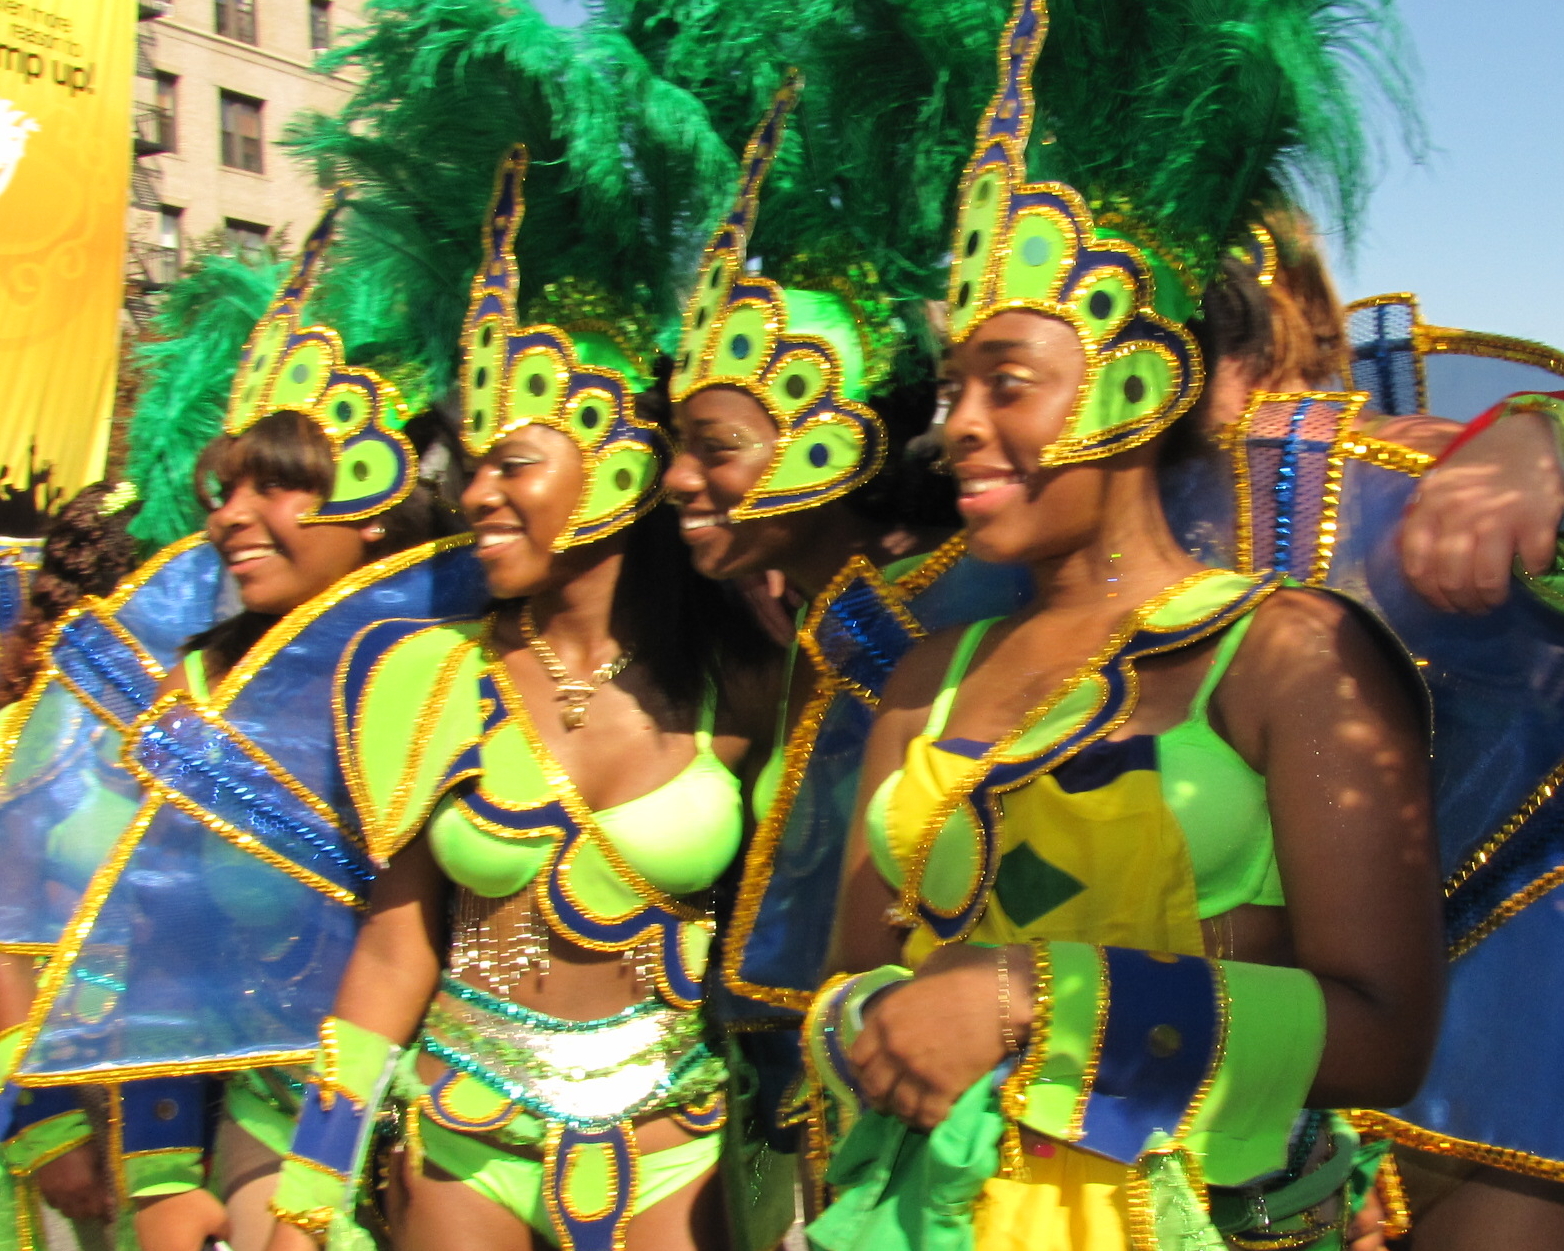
(215, 937)
(1496, 692)
(64, 796)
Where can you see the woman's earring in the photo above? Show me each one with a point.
(375, 533)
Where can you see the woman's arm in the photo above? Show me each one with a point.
(395, 966)
(1315, 702)
(390, 979)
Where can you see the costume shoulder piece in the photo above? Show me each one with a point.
(856, 632)
(214, 932)
(1321, 500)
(63, 793)
(408, 707)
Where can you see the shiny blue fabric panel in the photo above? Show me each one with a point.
(787, 947)
(179, 600)
(205, 765)
(64, 798)
(202, 951)
(1495, 1074)
(1496, 691)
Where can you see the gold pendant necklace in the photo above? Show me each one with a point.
(574, 691)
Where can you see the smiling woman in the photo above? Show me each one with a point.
(1102, 840)
(263, 490)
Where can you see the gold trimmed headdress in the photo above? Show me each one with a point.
(288, 366)
(1168, 128)
(580, 380)
(804, 356)
(1037, 246)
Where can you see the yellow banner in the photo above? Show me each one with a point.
(65, 154)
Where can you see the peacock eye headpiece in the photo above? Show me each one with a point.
(1039, 246)
(290, 366)
(580, 380)
(806, 357)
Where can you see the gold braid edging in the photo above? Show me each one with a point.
(1383, 1125)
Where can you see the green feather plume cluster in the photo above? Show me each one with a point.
(863, 189)
(626, 172)
(207, 317)
(1189, 117)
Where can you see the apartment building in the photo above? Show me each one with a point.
(217, 83)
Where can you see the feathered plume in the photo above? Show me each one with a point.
(863, 189)
(626, 172)
(1195, 115)
(207, 316)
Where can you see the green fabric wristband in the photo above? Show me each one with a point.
(1055, 1098)
(10, 1042)
(46, 1140)
(353, 1060)
(307, 1195)
(148, 1174)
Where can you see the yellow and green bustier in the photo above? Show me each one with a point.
(1141, 1046)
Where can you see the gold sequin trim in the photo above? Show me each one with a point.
(1511, 907)
(759, 858)
(1383, 1125)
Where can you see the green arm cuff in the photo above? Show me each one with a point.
(319, 1177)
(148, 1174)
(33, 1147)
(10, 1043)
(1216, 1056)
(1275, 1036)
(407, 698)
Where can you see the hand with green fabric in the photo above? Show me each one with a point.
(916, 1073)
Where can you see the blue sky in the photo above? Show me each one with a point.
(1476, 230)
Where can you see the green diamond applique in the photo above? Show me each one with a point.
(1029, 887)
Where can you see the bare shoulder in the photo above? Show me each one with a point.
(916, 679)
(1313, 653)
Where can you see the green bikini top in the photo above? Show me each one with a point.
(431, 733)
(1218, 801)
(680, 837)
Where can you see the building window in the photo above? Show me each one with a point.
(320, 25)
(163, 260)
(236, 20)
(241, 125)
(165, 111)
(245, 239)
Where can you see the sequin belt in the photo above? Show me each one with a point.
(597, 1072)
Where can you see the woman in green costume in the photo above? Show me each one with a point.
(1109, 832)
(299, 500)
(571, 796)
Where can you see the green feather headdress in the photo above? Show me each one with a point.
(626, 176)
(1160, 129)
(207, 317)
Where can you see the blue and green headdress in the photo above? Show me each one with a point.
(807, 357)
(580, 379)
(1166, 129)
(287, 365)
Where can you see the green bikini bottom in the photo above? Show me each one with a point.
(516, 1183)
